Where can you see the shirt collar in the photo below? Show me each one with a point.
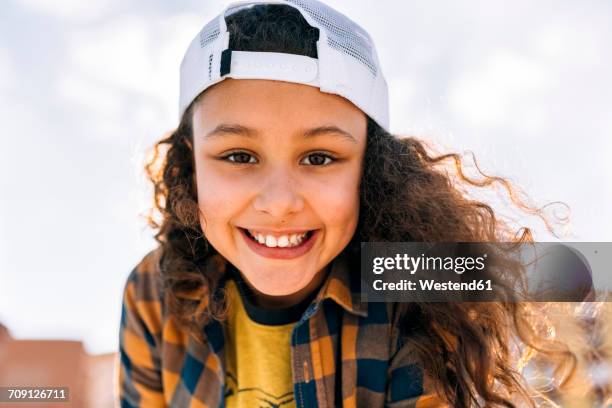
(342, 286)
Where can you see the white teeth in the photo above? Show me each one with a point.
(282, 241)
(270, 241)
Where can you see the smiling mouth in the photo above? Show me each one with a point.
(278, 241)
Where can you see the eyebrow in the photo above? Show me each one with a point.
(225, 129)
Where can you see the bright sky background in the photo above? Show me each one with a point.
(87, 86)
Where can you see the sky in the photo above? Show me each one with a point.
(86, 88)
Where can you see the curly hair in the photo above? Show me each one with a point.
(406, 194)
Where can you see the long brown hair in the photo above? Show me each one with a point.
(406, 194)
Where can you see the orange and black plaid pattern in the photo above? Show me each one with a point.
(344, 352)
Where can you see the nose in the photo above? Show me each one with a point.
(279, 195)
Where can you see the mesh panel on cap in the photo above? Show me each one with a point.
(343, 34)
(209, 33)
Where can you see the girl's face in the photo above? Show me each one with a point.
(274, 161)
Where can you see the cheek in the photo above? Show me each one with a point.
(218, 197)
(337, 202)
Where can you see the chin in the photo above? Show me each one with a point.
(284, 291)
(280, 286)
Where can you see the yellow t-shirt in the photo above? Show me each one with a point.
(258, 357)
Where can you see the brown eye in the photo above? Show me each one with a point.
(319, 159)
(240, 158)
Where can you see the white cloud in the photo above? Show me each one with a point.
(121, 76)
(403, 93)
(571, 43)
(90, 95)
(117, 53)
(71, 9)
(7, 70)
(136, 56)
(501, 91)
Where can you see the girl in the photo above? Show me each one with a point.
(280, 166)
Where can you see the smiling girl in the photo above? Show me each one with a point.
(281, 165)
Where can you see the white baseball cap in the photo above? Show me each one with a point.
(347, 63)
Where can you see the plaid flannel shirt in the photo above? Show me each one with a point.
(344, 352)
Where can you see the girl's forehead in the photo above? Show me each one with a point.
(260, 104)
(245, 92)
